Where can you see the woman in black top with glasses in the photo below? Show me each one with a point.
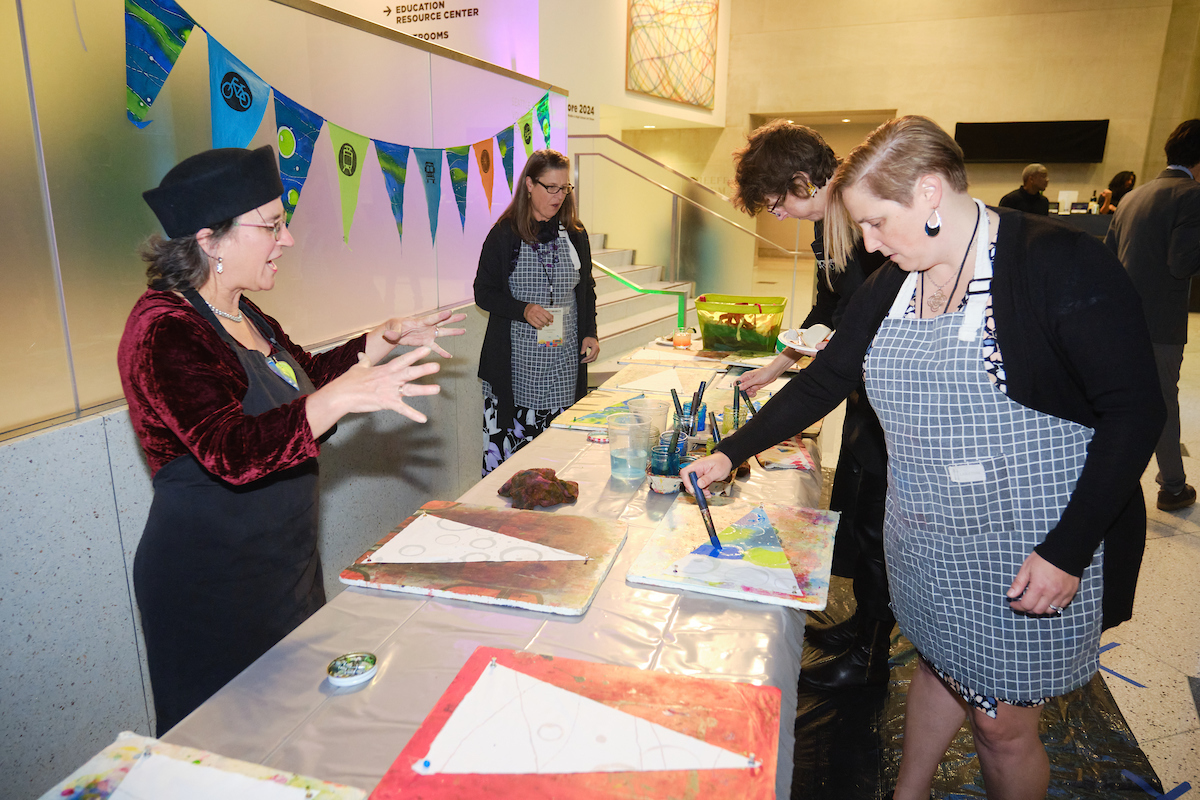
(535, 281)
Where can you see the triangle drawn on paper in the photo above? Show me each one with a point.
(751, 557)
(431, 539)
(663, 381)
(510, 723)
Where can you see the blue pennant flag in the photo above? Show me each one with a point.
(393, 160)
(298, 129)
(238, 98)
(156, 32)
(429, 169)
(458, 159)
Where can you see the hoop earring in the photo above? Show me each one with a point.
(936, 228)
(221, 260)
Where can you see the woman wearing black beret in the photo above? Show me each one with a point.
(231, 414)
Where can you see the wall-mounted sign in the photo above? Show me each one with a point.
(504, 32)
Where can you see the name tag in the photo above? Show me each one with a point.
(552, 334)
(967, 473)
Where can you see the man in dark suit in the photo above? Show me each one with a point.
(1028, 196)
(1156, 234)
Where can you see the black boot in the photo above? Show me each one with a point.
(864, 664)
(833, 638)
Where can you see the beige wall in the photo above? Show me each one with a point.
(1133, 62)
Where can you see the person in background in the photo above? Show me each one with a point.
(785, 168)
(1028, 196)
(231, 415)
(535, 281)
(1015, 520)
(1156, 234)
(1121, 184)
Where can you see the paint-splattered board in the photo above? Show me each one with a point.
(805, 534)
(739, 717)
(105, 771)
(559, 587)
(591, 412)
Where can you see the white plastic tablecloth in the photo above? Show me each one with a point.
(280, 711)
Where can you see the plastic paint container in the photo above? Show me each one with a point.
(352, 669)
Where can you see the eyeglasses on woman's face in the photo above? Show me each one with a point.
(276, 228)
(565, 188)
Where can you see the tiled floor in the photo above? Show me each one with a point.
(1160, 647)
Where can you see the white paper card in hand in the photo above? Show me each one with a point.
(552, 335)
(433, 540)
(155, 777)
(510, 723)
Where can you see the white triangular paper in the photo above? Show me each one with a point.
(512, 724)
(431, 539)
(663, 381)
(156, 776)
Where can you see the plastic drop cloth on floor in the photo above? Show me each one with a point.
(848, 742)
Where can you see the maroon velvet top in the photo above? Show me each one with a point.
(185, 387)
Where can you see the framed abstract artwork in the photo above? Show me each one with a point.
(671, 50)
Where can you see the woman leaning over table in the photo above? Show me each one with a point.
(1017, 427)
(231, 414)
(535, 282)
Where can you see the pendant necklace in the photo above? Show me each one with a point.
(938, 300)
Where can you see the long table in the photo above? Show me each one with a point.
(280, 711)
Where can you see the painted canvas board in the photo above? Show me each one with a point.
(431, 539)
(559, 587)
(805, 535)
(186, 769)
(690, 359)
(695, 737)
(591, 413)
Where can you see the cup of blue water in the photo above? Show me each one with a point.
(629, 445)
(701, 419)
(664, 461)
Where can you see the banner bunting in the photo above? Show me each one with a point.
(155, 34)
(458, 160)
(393, 161)
(238, 97)
(297, 130)
(485, 159)
(349, 152)
(543, 115)
(504, 141)
(525, 128)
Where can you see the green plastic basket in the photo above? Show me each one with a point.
(740, 322)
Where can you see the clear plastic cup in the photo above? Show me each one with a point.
(652, 409)
(628, 446)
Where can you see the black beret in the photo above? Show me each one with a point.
(211, 187)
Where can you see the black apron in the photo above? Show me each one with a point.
(223, 572)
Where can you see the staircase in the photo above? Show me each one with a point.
(626, 319)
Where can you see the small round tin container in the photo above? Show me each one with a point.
(352, 669)
(664, 484)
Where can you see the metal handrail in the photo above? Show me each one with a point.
(681, 297)
(642, 155)
(686, 199)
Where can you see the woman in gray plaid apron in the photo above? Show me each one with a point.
(535, 282)
(1015, 384)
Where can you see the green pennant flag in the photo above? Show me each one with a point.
(543, 115)
(525, 131)
(349, 152)
(457, 160)
(504, 141)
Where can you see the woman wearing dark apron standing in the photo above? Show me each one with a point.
(1014, 523)
(230, 416)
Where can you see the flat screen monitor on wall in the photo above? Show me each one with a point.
(1066, 142)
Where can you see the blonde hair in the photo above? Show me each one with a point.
(889, 163)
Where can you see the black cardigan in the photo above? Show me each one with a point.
(1075, 345)
(497, 260)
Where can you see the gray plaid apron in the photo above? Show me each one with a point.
(544, 377)
(975, 481)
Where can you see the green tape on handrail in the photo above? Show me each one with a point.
(680, 296)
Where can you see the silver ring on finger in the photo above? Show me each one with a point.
(1055, 609)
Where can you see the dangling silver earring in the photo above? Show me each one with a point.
(936, 227)
(221, 261)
